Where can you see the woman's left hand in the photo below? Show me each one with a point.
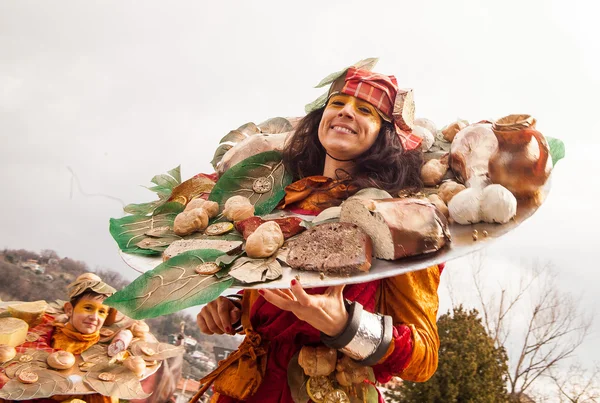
(325, 312)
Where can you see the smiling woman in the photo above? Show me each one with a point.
(352, 141)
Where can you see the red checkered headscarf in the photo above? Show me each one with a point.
(380, 91)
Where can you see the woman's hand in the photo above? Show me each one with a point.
(325, 312)
(218, 316)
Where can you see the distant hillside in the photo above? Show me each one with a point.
(29, 276)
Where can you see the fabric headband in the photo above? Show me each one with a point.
(380, 91)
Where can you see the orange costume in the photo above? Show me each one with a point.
(257, 372)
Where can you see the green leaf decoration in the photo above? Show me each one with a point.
(317, 103)
(557, 149)
(242, 179)
(170, 287)
(367, 64)
(164, 186)
(128, 231)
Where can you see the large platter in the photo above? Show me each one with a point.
(463, 243)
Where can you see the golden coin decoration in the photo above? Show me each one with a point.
(207, 268)
(336, 396)
(219, 228)
(28, 377)
(317, 387)
(106, 376)
(32, 337)
(25, 358)
(104, 332)
(147, 350)
(262, 185)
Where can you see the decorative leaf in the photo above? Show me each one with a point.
(191, 188)
(249, 129)
(557, 149)
(49, 383)
(329, 214)
(265, 167)
(248, 270)
(366, 64)
(316, 104)
(162, 351)
(97, 353)
(130, 230)
(219, 153)
(164, 185)
(170, 287)
(275, 125)
(234, 136)
(127, 385)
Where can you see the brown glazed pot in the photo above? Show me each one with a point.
(521, 163)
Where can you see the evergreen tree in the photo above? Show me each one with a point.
(470, 370)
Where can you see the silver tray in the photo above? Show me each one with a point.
(462, 244)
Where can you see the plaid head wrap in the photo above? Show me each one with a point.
(380, 91)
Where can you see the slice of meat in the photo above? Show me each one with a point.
(399, 227)
(331, 248)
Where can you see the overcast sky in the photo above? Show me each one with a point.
(116, 92)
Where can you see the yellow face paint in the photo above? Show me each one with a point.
(89, 315)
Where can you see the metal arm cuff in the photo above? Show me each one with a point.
(366, 337)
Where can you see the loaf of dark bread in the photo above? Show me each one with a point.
(331, 248)
(398, 227)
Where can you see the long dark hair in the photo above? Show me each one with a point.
(386, 165)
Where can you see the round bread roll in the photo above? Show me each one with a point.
(61, 360)
(140, 328)
(7, 353)
(135, 364)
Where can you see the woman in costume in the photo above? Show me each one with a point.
(349, 144)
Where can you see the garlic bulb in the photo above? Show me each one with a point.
(427, 124)
(498, 204)
(464, 208)
(426, 135)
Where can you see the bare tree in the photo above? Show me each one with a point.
(577, 385)
(538, 324)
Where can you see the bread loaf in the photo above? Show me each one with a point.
(399, 227)
(331, 248)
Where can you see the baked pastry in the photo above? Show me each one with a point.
(61, 360)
